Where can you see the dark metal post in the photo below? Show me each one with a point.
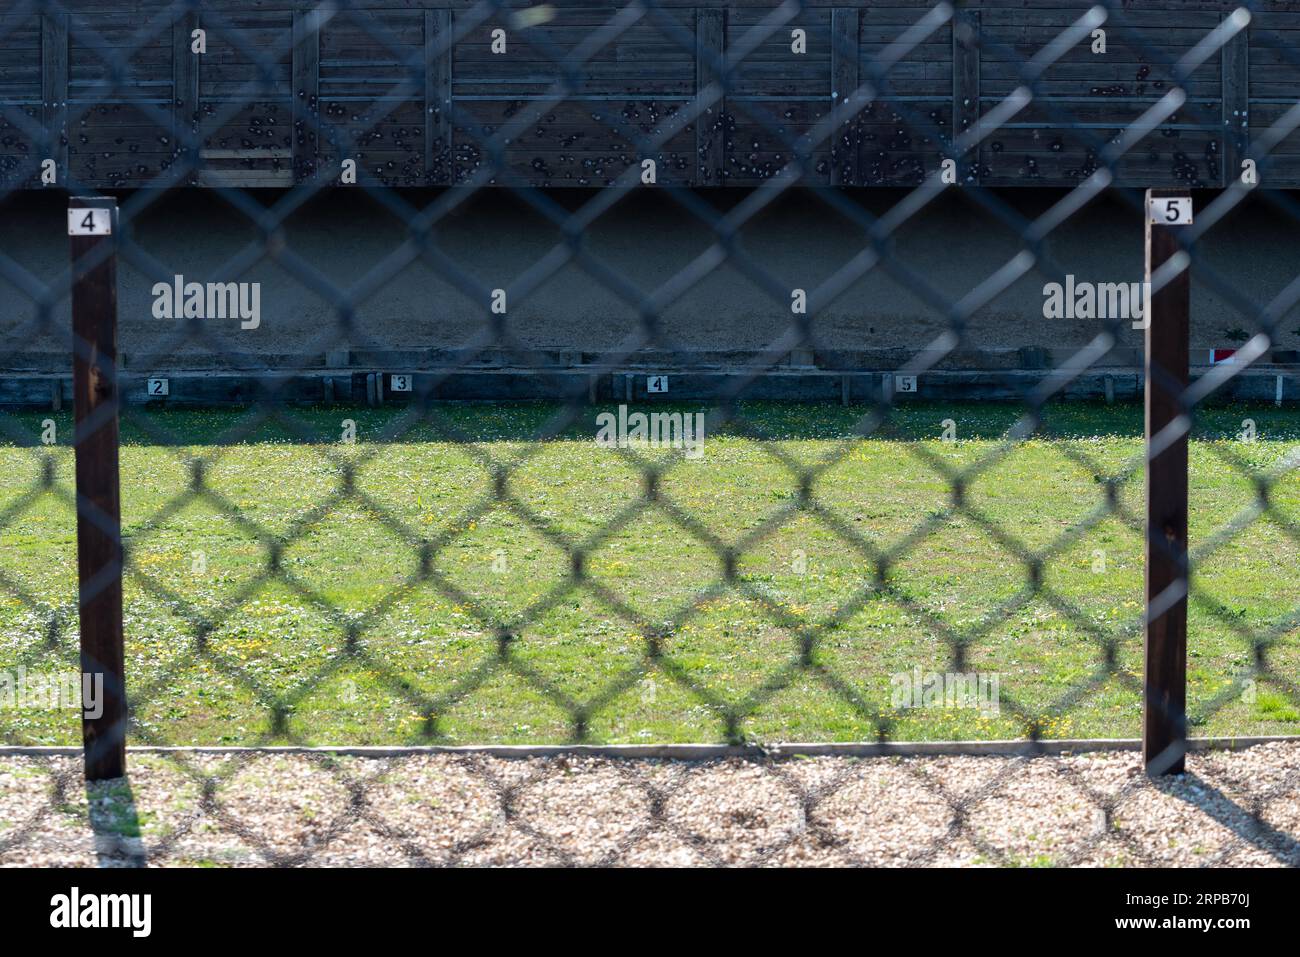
(92, 227)
(1164, 703)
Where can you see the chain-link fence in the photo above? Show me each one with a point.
(332, 551)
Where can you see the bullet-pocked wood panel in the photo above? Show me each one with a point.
(590, 93)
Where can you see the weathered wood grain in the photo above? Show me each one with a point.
(966, 79)
(185, 93)
(845, 56)
(710, 126)
(388, 80)
(54, 90)
(437, 96)
(96, 398)
(1235, 106)
(306, 91)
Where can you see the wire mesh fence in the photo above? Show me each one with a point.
(416, 644)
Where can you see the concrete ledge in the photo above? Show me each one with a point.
(196, 389)
(699, 752)
(1029, 358)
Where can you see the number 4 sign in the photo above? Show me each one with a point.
(90, 222)
(1169, 211)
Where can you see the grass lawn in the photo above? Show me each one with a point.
(420, 608)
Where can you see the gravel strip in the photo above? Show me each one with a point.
(1098, 809)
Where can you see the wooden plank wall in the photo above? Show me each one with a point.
(420, 96)
(372, 94)
(906, 127)
(246, 103)
(1103, 93)
(27, 103)
(779, 96)
(117, 131)
(583, 132)
(1273, 68)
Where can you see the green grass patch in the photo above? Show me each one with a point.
(298, 588)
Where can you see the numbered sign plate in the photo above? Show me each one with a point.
(158, 387)
(656, 383)
(90, 222)
(904, 383)
(399, 383)
(1170, 211)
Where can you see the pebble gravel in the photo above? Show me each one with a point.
(253, 809)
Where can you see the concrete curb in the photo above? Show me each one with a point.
(695, 752)
(207, 389)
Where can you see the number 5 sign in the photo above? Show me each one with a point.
(1169, 211)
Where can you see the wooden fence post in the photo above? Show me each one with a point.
(438, 158)
(305, 68)
(710, 124)
(845, 141)
(1235, 71)
(185, 90)
(54, 91)
(92, 227)
(1164, 700)
(966, 87)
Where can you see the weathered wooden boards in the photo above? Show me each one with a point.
(119, 127)
(1101, 93)
(573, 102)
(1273, 81)
(247, 101)
(583, 94)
